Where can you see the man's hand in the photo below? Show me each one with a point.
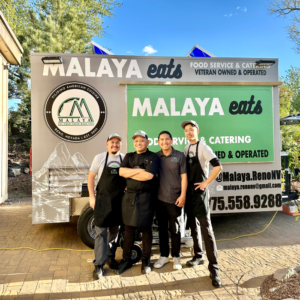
(92, 202)
(201, 185)
(180, 201)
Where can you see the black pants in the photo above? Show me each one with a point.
(168, 218)
(129, 240)
(209, 240)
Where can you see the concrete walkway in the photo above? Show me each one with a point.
(58, 274)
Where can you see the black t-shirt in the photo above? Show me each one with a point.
(170, 170)
(148, 161)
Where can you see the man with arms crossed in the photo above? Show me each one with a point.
(139, 168)
(198, 154)
(107, 204)
(171, 198)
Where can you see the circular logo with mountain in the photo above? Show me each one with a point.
(75, 112)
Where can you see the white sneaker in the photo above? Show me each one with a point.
(177, 263)
(161, 262)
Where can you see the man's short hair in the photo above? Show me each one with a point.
(165, 132)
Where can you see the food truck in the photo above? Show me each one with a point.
(78, 100)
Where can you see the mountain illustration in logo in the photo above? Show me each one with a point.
(60, 178)
(79, 115)
(75, 112)
(114, 165)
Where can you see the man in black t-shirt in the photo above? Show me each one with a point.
(139, 168)
(170, 199)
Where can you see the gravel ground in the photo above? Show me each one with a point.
(288, 289)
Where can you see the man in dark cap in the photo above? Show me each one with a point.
(139, 168)
(107, 203)
(198, 156)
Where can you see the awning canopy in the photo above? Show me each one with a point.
(198, 51)
(97, 49)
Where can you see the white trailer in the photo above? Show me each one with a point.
(78, 100)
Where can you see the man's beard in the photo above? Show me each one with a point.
(114, 152)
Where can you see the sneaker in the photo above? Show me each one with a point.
(123, 266)
(195, 261)
(177, 263)
(215, 280)
(146, 266)
(112, 263)
(98, 272)
(161, 262)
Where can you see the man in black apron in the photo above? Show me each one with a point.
(170, 199)
(139, 168)
(107, 204)
(198, 155)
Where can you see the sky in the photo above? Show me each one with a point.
(240, 28)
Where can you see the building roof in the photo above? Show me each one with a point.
(10, 47)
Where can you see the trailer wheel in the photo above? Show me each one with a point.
(136, 253)
(86, 227)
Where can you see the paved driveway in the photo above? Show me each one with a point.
(58, 274)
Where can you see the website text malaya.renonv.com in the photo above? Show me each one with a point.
(247, 202)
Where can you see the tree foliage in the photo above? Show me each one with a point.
(289, 99)
(51, 26)
(67, 26)
(292, 81)
(15, 11)
(290, 8)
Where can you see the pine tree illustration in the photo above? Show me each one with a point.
(57, 219)
(39, 202)
(63, 216)
(43, 215)
(34, 202)
(37, 217)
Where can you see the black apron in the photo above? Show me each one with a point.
(197, 204)
(138, 206)
(110, 190)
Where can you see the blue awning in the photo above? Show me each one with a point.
(198, 51)
(97, 49)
